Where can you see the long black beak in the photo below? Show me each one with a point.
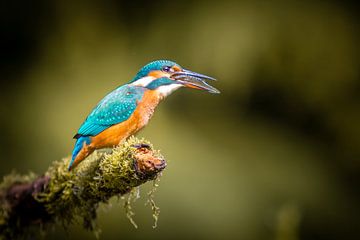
(194, 80)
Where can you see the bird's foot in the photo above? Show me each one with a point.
(142, 145)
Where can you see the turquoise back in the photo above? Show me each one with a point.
(114, 108)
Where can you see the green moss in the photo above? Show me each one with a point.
(95, 180)
(77, 194)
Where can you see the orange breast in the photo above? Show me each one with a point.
(140, 117)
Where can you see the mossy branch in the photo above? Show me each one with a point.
(29, 203)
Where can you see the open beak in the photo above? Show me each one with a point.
(194, 80)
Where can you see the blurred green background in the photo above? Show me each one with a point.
(275, 156)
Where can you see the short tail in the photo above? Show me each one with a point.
(80, 151)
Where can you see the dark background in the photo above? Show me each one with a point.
(275, 156)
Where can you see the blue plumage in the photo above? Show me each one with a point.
(78, 146)
(155, 65)
(115, 108)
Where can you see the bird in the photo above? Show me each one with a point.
(128, 108)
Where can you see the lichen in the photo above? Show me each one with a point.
(151, 200)
(132, 197)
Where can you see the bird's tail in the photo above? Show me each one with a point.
(81, 144)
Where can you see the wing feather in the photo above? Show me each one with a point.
(115, 108)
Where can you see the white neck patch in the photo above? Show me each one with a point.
(163, 91)
(143, 81)
(166, 90)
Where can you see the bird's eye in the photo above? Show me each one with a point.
(167, 69)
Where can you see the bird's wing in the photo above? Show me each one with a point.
(115, 108)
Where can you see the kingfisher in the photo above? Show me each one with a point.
(128, 108)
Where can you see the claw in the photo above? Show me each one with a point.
(142, 145)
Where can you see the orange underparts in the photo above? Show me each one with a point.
(117, 133)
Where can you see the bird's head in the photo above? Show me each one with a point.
(167, 76)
